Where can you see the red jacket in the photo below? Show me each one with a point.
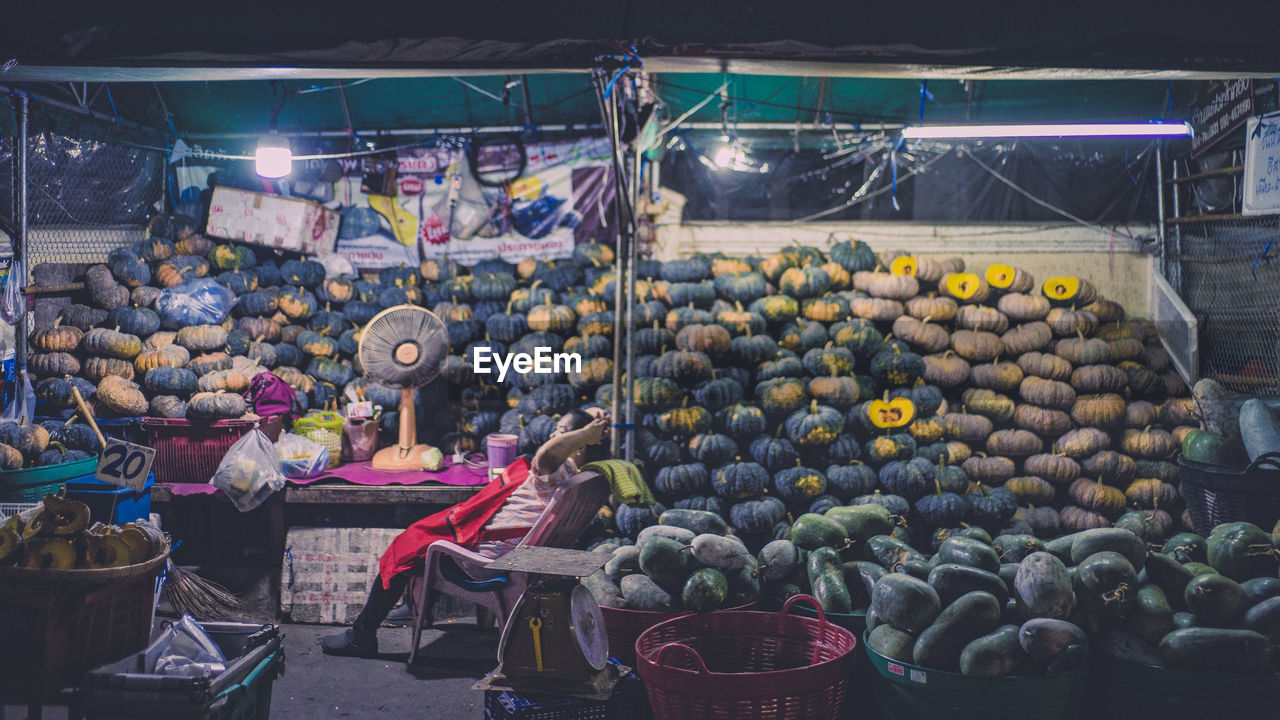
(462, 524)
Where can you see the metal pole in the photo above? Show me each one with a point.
(1175, 270)
(1160, 228)
(607, 109)
(631, 299)
(18, 269)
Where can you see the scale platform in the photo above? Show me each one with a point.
(554, 642)
(556, 562)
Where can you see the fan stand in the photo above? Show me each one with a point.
(407, 454)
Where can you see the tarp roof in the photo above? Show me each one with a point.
(568, 99)
(77, 40)
(212, 63)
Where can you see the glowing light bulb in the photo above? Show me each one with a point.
(274, 157)
(724, 156)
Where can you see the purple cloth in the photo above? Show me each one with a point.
(363, 474)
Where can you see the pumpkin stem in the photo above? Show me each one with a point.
(937, 485)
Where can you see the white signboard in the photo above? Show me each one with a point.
(1262, 166)
(125, 464)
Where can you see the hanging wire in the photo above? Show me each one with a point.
(864, 193)
(1042, 203)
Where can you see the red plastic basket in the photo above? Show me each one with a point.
(189, 452)
(624, 626)
(746, 665)
(54, 632)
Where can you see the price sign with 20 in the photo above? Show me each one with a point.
(125, 464)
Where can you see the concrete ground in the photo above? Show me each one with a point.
(452, 658)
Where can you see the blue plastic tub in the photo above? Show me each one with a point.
(130, 505)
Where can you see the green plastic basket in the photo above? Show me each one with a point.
(32, 484)
(1128, 689)
(910, 692)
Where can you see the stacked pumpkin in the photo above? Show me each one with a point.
(1026, 408)
(145, 340)
(753, 378)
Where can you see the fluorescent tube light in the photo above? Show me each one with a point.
(1160, 129)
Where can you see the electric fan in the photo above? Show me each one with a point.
(404, 347)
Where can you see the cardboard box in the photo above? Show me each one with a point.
(272, 221)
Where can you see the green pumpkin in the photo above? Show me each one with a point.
(681, 480)
(740, 480)
(742, 422)
(168, 406)
(231, 257)
(110, 343)
(329, 371)
(880, 450)
(898, 369)
(815, 426)
(216, 406)
(259, 303)
(238, 282)
(776, 309)
(302, 273)
(753, 517)
(171, 381)
(297, 304)
(685, 421)
(799, 485)
(809, 281)
(337, 290)
(653, 394)
(780, 397)
(858, 336)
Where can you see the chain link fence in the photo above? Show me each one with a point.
(85, 196)
(1228, 273)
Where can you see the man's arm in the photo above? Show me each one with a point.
(555, 451)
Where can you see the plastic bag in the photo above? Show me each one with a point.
(13, 302)
(336, 265)
(300, 457)
(250, 471)
(24, 412)
(186, 650)
(194, 302)
(359, 439)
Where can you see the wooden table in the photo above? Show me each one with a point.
(360, 494)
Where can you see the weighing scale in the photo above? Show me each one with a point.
(554, 642)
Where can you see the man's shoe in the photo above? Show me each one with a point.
(348, 644)
(400, 617)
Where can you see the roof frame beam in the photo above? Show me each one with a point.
(818, 69)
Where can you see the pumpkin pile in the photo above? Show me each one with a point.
(176, 326)
(760, 383)
(56, 534)
(52, 442)
(779, 387)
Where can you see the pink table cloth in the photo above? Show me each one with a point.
(363, 474)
